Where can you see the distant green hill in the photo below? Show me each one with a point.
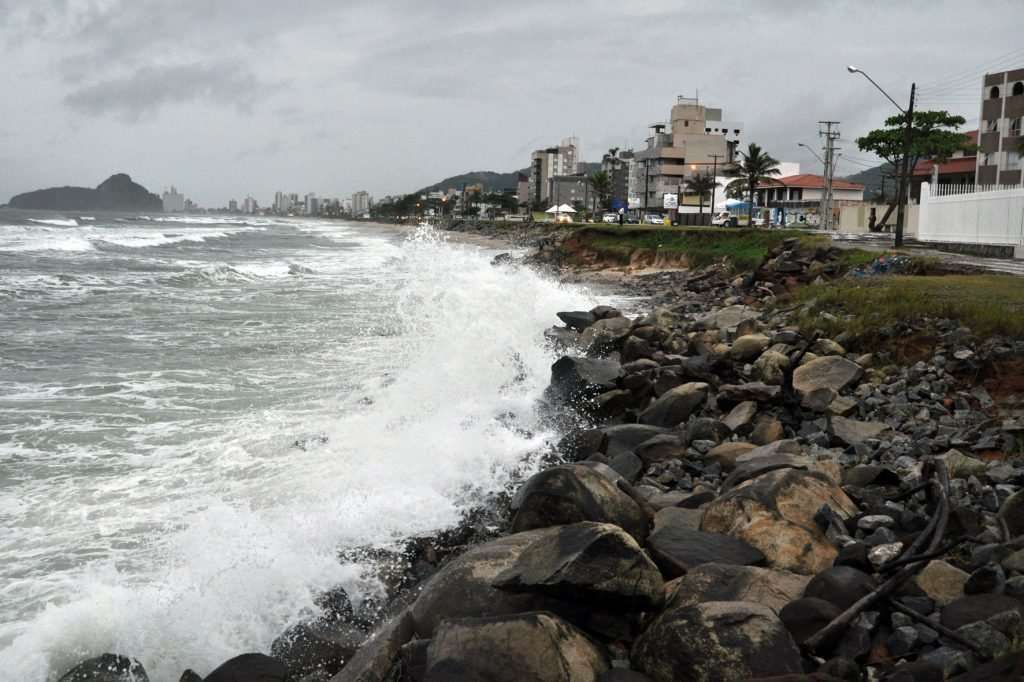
(872, 179)
(493, 181)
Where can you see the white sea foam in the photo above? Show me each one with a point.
(59, 222)
(210, 550)
(56, 236)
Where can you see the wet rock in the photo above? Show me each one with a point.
(989, 640)
(716, 641)
(251, 668)
(767, 430)
(942, 582)
(840, 585)
(705, 428)
(775, 513)
(626, 437)
(903, 640)
(1012, 512)
(107, 668)
(526, 646)
(377, 656)
(572, 493)
(728, 318)
(661, 449)
(730, 582)
(1008, 668)
(604, 334)
(676, 405)
(590, 562)
(678, 549)
(580, 379)
(317, 646)
(880, 555)
(960, 465)
(804, 617)
(577, 319)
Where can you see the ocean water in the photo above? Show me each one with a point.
(197, 414)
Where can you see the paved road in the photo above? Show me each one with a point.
(883, 242)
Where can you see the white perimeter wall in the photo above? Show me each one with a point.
(957, 214)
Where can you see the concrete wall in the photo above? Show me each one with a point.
(987, 217)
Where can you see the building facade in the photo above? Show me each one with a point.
(361, 204)
(570, 189)
(283, 203)
(959, 169)
(1001, 125)
(545, 164)
(697, 140)
(173, 201)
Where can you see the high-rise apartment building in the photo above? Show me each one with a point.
(545, 164)
(311, 204)
(361, 204)
(1001, 123)
(174, 202)
(249, 206)
(283, 203)
(697, 140)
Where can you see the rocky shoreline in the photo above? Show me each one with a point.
(735, 498)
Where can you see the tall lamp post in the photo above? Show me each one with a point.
(821, 207)
(908, 136)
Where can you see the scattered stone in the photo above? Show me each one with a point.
(840, 585)
(577, 319)
(748, 348)
(678, 549)
(977, 607)
(989, 579)
(880, 555)
(676, 405)
(754, 391)
(770, 368)
(255, 667)
(577, 380)
(730, 582)
(942, 582)
(727, 453)
(806, 616)
(852, 432)
(322, 645)
(107, 668)
(830, 374)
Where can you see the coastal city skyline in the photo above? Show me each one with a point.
(222, 119)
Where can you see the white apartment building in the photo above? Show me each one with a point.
(546, 164)
(173, 201)
(361, 204)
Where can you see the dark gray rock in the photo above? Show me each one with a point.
(678, 549)
(577, 319)
(526, 646)
(580, 379)
(989, 579)
(716, 641)
(977, 607)
(755, 391)
(903, 640)
(598, 564)
(1012, 512)
(626, 437)
(249, 668)
(804, 617)
(317, 646)
(676, 405)
(107, 668)
(572, 493)
(840, 585)
(661, 448)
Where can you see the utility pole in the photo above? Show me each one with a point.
(647, 183)
(908, 135)
(826, 199)
(714, 177)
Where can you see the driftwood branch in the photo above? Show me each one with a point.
(931, 535)
(938, 627)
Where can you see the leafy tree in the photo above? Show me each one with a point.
(507, 203)
(933, 136)
(700, 184)
(754, 168)
(601, 183)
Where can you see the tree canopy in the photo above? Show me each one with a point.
(933, 136)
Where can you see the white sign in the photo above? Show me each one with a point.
(671, 201)
(634, 202)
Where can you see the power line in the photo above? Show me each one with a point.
(976, 71)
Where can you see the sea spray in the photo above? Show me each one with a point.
(229, 565)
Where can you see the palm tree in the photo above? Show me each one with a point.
(700, 184)
(755, 167)
(601, 183)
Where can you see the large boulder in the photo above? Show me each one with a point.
(728, 318)
(729, 582)
(532, 646)
(596, 563)
(818, 381)
(577, 319)
(716, 641)
(375, 659)
(771, 367)
(250, 668)
(740, 419)
(626, 437)
(107, 668)
(806, 616)
(775, 513)
(676, 405)
(840, 585)
(678, 549)
(571, 493)
(322, 645)
(581, 379)
(606, 333)
(748, 348)
(978, 607)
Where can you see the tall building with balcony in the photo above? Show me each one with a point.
(546, 164)
(174, 201)
(1000, 135)
(361, 204)
(696, 140)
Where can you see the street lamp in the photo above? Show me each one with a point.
(908, 133)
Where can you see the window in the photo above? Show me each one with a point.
(1018, 88)
(991, 126)
(993, 93)
(1015, 127)
(1013, 160)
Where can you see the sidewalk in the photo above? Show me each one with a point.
(883, 242)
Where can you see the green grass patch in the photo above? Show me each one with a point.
(743, 249)
(987, 304)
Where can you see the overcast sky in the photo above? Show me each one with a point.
(229, 97)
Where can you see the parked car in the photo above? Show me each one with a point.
(724, 219)
(610, 218)
(653, 219)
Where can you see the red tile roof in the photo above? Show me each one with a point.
(809, 181)
(964, 164)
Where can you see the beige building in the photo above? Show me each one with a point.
(696, 140)
(546, 164)
(1001, 125)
